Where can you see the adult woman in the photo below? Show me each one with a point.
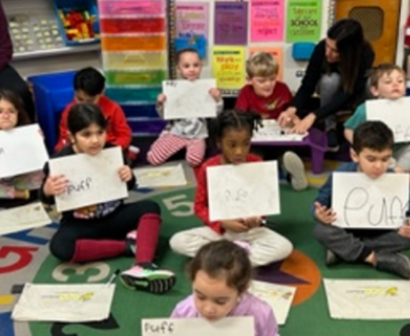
(337, 70)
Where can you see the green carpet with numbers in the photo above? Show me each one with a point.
(308, 317)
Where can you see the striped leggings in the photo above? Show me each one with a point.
(168, 144)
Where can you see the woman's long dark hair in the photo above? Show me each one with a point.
(350, 42)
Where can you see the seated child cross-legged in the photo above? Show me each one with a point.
(105, 230)
(269, 97)
(234, 131)
(387, 81)
(371, 152)
(20, 189)
(221, 274)
(187, 133)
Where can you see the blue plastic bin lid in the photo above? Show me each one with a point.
(302, 50)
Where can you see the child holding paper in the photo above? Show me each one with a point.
(221, 274)
(234, 131)
(371, 152)
(387, 81)
(105, 230)
(269, 97)
(20, 189)
(183, 133)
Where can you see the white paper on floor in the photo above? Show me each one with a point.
(171, 176)
(64, 303)
(368, 299)
(23, 217)
(271, 131)
(279, 297)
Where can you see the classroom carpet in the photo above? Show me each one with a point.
(24, 257)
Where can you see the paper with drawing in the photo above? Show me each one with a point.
(271, 131)
(64, 303)
(22, 218)
(172, 176)
(368, 299)
(279, 297)
(22, 150)
(395, 113)
(238, 326)
(362, 202)
(244, 190)
(92, 179)
(189, 99)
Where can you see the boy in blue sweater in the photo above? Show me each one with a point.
(371, 153)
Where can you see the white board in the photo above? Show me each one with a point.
(64, 303)
(92, 179)
(22, 150)
(368, 299)
(244, 190)
(157, 177)
(279, 297)
(362, 202)
(189, 99)
(238, 326)
(271, 131)
(24, 217)
(394, 113)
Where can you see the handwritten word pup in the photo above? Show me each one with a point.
(20, 189)
(187, 133)
(105, 230)
(387, 81)
(234, 129)
(221, 274)
(371, 152)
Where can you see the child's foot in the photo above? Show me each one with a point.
(150, 279)
(396, 263)
(131, 243)
(243, 244)
(294, 166)
(332, 141)
(331, 258)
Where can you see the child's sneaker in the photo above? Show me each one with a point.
(131, 243)
(294, 166)
(331, 258)
(243, 244)
(152, 280)
(396, 263)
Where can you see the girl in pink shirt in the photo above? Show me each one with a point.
(221, 274)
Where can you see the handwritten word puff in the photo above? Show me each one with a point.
(324, 214)
(215, 93)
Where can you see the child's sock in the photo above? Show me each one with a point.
(147, 237)
(92, 249)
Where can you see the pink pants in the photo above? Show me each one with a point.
(168, 144)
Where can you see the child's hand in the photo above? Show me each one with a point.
(234, 225)
(161, 98)
(216, 94)
(404, 230)
(125, 173)
(252, 222)
(324, 214)
(55, 185)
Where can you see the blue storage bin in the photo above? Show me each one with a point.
(301, 51)
(52, 92)
(67, 5)
(140, 111)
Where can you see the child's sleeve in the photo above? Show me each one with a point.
(358, 117)
(62, 130)
(121, 128)
(324, 195)
(201, 201)
(220, 106)
(242, 100)
(43, 197)
(159, 107)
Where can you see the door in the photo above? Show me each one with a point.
(380, 21)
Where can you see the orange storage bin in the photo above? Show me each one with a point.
(132, 25)
(119, 43)
(134, 59)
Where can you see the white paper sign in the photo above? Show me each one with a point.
(362, 202)
(64, 303)
(272, 132)
(244, 190)
(22, 150)
(368, 299)
(238, 326)
(395, 113)
(92, 179)
(158, 177)
(23, 217)
(279, 297)
(189, 99)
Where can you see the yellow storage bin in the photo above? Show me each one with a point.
(127, 60)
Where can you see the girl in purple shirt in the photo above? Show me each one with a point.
(221, 274)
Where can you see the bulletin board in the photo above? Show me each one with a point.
(235, 29)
